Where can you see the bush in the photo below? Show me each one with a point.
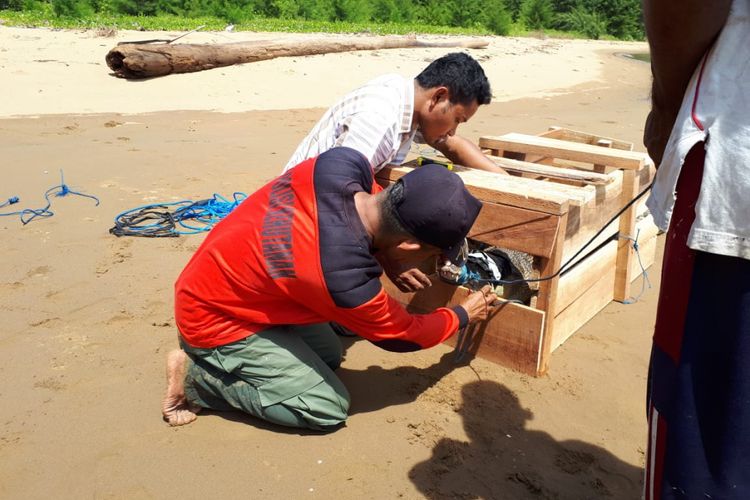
(436, 12)
(536, 14)
(386, 11)
(12, 5)
(317, 10)
(76, 9)
(514, 8)
(590, 24)
(353, 10)
(497, 18)
(285, 9)
(468, 13)
(624, 18)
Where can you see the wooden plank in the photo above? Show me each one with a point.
(586, 220)
(567, 134)
(503, 189)
(603, 143)
(566, 150)
(576, 282)
(538, 169)
(583, 309)
(511, 337)
(533, 187)
(552, 172)
(625, 251)
(547, 295)
(516, 228)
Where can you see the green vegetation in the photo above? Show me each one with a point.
(580, 18)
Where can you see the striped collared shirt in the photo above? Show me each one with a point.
(374, 119)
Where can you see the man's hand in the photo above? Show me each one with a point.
(479, 304)
(410, 280)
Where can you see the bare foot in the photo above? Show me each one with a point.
(175, 409)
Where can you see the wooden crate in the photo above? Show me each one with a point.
(564, 187)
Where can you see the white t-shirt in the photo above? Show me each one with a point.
(715, 109)
(375, 120)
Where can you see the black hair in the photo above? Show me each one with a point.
(463, 76)
(392, 197)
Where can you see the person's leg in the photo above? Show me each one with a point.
(699, 378)
(674, 295)
(323, 340)
(176, 410)
(275, 375)
(707, 445)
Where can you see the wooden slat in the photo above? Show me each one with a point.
(575, 283)
(511, 337)
(567, 150)
(538, 169)
(625, 251)
(583, 309)
(516, 228)
(487, 186)
(552, 172)
(547, 296)
(566, 134)
(602, 143)
(534, 187)
(585, 221)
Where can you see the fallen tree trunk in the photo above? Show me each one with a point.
(143, 60)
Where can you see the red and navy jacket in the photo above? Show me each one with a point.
(295, 253)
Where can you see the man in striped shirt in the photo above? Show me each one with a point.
(382, 118)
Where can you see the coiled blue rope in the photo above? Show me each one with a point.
(159, 220)
(29, 214)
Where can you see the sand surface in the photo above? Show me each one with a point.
(87, 318)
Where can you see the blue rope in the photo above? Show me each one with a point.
(175, 218)
(11, 201)
(645, 281)
(29, 214)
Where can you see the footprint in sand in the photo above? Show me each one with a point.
(51, 383)
(43, 322)
(119, 253)
(38, 272)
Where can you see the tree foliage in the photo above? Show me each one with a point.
(593, 18)
(537, 14)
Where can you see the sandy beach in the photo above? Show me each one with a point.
(87, 317)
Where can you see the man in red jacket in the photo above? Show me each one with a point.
(254, 303)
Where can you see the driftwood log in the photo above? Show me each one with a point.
(146, 60)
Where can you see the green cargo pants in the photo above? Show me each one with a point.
(283, 375)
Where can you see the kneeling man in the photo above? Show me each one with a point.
(254, 303)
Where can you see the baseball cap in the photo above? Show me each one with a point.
(438, 209)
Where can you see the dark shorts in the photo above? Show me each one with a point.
(699, 377)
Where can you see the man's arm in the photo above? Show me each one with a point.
(464, 152)
(679, 33)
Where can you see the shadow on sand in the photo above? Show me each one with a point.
(502, 459)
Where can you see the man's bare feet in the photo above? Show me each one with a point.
(175, 409)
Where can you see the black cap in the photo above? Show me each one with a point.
(437, 209)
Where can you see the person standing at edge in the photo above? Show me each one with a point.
(253, 304)
(698, 132)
